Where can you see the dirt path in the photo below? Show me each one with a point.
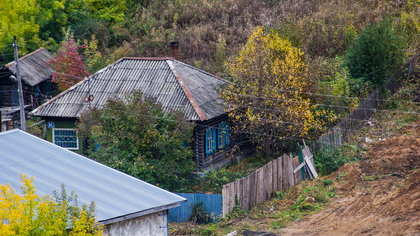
(379, 196)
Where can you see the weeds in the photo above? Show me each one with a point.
(371, 177)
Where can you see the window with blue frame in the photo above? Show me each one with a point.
(211, 135)
(223, 135)
(216, 138)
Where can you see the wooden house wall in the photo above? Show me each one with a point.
(204, 160)
(7, 86)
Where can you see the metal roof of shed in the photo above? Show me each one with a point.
(33, 67)
(172, 83)
(117, 195)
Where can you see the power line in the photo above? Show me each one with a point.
(320, 104)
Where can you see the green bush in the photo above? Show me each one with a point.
(327, 182)
(199, 215)
(214, 180)
(329, 159)
(376, 53)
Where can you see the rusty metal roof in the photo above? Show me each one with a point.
(33, 67)
(172, 83)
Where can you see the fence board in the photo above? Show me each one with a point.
(268, 181)
(274, 176)
(285, 172)
(290, 171)
(280, 173)
(212, 204)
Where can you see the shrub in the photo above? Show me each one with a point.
(329, 159)
(376, 52)
(199, 215)
(214, 180)
(29, 214)
(327, 182)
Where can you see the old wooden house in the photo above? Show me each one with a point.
(36, 80)
(172, 83)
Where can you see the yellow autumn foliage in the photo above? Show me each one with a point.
(267, 95)
(29, 214)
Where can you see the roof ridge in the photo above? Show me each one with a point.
(202, 71)
(27, 55)
(187, 92)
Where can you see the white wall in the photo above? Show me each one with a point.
(154, 224)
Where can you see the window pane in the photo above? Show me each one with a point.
(65, 138)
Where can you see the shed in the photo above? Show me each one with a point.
(125, 205)
(36, 79)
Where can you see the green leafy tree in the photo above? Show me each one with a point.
(135, 136)
(375, 54)
(17, 18)
(28, 214)
(266, 96)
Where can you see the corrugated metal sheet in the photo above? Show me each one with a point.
(33, 67)
(154, 77)
(115, 193)
(212, 204)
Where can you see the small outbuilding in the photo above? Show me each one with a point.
(125, 205)
(36, 76)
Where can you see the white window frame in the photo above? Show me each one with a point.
(209, 141)
(70, 148)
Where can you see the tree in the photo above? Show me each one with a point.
(137, 137)
(17, 18)
(375, 54)
(69, 65)
(266, 96)
(32, 215)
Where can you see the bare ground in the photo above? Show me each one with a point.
(380, 195)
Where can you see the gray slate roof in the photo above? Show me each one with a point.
(115, 193)
(174, 84)
(33, 67)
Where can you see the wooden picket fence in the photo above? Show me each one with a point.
(263, 183)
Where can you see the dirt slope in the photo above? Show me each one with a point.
(378, 196)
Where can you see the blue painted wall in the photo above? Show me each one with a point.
(212, 203)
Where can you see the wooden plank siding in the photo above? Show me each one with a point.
(204, 160)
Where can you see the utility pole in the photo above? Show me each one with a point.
(20, 89)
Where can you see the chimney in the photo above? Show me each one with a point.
(174, 50)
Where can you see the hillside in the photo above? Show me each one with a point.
(378, 195)
(377, 192)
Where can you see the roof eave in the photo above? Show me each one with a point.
(139, 213)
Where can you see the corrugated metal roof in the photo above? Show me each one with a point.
(33, 67)
(172, 83)
(115, 193)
